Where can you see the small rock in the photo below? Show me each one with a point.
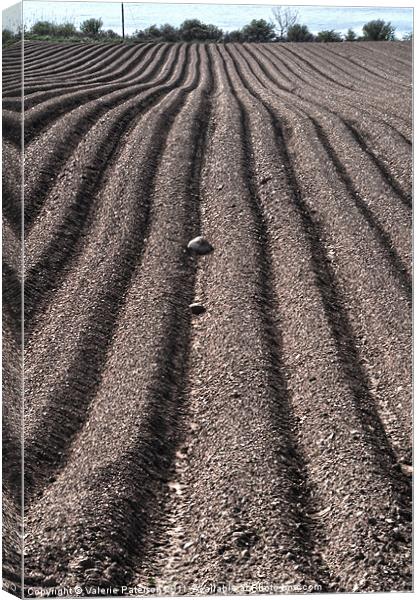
(197, 309)
(200, 245)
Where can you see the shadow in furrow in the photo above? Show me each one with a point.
(49, 271)
(390, 180)
(297, 470)
(12, 298)
(140, 472)
(54, 163)
(340, 325)
(11, 206)
(87, 366)
(394, 261)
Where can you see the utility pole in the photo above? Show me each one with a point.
(123, 21)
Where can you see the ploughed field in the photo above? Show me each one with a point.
(266, 441)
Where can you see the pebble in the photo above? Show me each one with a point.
(197, 309)
(200, 245)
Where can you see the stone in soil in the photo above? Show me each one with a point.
(200, 245)
(197, 309)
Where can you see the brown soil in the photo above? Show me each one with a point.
(268, 440)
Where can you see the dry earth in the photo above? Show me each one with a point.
(267, 440)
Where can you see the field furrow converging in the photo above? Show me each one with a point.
(233, 419)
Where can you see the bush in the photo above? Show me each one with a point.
(169, 33)
(259, 30)
(329, 36)
(233, 36)
(408, 37)
(299, 33)
(91, 27)
(350, 35)
(377, 31)
(65, 30)
(110, 34)
(43, 28)
(138, 35)
(193, 29)
(214, 33)
(7, 37)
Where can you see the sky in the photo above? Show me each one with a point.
(228, 17)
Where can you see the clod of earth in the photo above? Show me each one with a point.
(200, 245)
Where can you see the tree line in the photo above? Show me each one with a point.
(284, 28)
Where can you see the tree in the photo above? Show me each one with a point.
(169, 33)
(259, 30)
(194, 29)
(299, 33)
(408, 37)
(7, 37)
(110, 34)
(350, 35)
(214, 33)
(152, 32)
(65, 30)
(377, 31)
(91, 27)
(329, 36)
(285, 18)
(233, 36)
(43, 28)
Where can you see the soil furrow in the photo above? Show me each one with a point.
(347, 217)
(380, 69)
(406, 198)
(361, 405)
(160, 290)
(97, 307)
(388, 229)
(354, 70)
(45, 90)
(39, 117)
(399, 268)
(364, 99)
(310, 67)
(72, 199)
(42, 116)
(72, 128)
(259, 441)
(218, 528)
